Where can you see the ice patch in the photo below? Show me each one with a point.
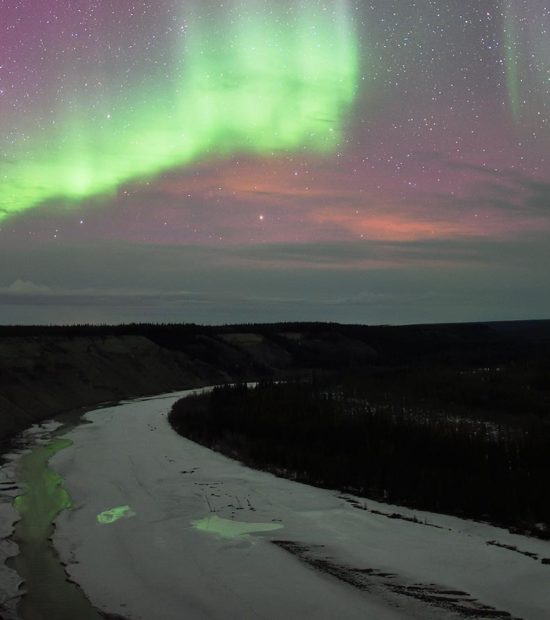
(228, 528)
(114, 514)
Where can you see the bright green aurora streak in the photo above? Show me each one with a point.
(511, 48)
(279, 78)
(527, 59)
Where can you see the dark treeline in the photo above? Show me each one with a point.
(471, 343)
(517, 392)
(384, 438)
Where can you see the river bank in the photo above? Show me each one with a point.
(40, 377)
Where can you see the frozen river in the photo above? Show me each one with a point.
(162, 528)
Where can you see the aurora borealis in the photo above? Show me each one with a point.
(251, 160)
(526, 38)
(259, 83)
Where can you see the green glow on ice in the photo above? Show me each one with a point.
(48, 593)
(114, 514)
(278, 77)
(228, 528)
(44, 497)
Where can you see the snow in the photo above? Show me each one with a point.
(9, 580)
(191, 533)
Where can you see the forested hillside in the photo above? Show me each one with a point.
(395, 436)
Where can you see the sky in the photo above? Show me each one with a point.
(252, 161)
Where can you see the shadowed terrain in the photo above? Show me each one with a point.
(47, 370)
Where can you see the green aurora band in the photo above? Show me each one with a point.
(511, 47)
(526, 59)
(280, 78)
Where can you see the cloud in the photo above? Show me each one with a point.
(508, 189)
(361, 282)
(25, 287)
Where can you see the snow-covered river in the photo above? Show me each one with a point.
(161, 528)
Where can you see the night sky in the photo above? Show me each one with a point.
(253, 160)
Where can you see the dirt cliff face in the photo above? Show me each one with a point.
(42, 376)
(44, 371)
